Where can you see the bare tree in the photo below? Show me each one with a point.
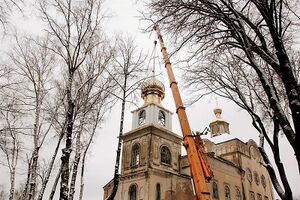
(6, 7)
(91, 98)
(257, 38)
(9, 141)
(3, 195)
(128, 75)
(74, 29)
(34, 63)
(95, 118)
(232, 80)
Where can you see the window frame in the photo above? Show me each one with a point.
(252, 195)
(263, 181)
(215, 190)
(158, 191)
(256, 178)
(142, 115)
(238, 194)
(161, 113)
(130, 190)
(135, 155)
(227, 189)
(165, 156)
(249, 175)
(259, 196)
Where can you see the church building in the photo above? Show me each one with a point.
(153, 167)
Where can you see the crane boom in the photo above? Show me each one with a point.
(199, 167)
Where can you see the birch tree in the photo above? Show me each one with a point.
(34, 63)
(129, 65)
(92, 101)
(74, 28)
(6, 7)
(10, 143)
(257, 38)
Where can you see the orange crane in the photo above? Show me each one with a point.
(194, 145)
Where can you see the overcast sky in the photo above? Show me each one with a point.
(101, 161)
(100, 164)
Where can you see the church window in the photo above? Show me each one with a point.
(158, 192)
(161, 118)
(252, 196)
(256, 178)
(227, 193)
(238, 194)
(142, 117)
(215, 190)
(165, 155)
(135, 156)
(132, 192)
(249, 175)
(263, 181)
(259, 197)
(221, 128)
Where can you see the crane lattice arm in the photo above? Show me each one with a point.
(200, 169)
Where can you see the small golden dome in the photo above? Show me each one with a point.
(154, 87)
(218, 112)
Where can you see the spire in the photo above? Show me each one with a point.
(153, 90)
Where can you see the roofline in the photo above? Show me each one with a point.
(152, 125)
(145, 105)
(220, 159)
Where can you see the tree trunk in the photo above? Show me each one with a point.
(75, 166)
(65, 158)
(12, 183)
(49, 170)
(84, 156)
(55, 184)
(15, 155)
(32, 182)
(117, 165)
(25, 191)
(35, 154)
(81, 176)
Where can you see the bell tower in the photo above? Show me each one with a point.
(151, 151)
(152, 111)
(218, 126)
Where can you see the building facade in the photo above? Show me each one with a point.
(153, 167)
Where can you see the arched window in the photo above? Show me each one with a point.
(252, 196)
(221, 128)
(263, 181)
(249, 175)
(165, 155)
(227, 193)
(161, 118)
(135, 155)
(142, 117)
(259, 197)
(256, 178)
(238, 194)
(132, 192)
(215, 190)
(158, 192)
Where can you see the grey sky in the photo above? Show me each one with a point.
(200, 114)
(101, 158)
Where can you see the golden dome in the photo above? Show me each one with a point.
(153, 87)
(218, 112)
